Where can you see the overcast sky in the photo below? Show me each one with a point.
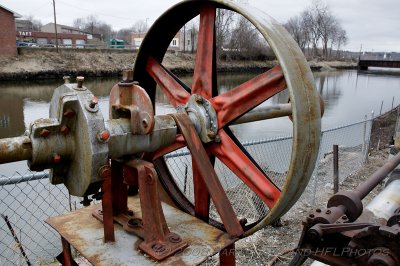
(373, 23)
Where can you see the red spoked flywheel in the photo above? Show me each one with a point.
(204, 116)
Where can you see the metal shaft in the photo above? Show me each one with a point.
(364, 188)
(15, 149)
(267, 112)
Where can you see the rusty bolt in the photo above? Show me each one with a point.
(174, 238)
(93, 102)
(328, 212)
(56, 158)
(145, 122)
(135, 222)
(318, 210)
(79, 81)
(65, 130)
(344, 217)
(211, 134)
(44, 133)
(217, 139)
(198, 98)
(66, 79)
(312, 215)
(103, 136)
(127, 75)
(104, 171)
(159, 248)
(69, 113)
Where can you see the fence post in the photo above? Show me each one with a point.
(335, 168)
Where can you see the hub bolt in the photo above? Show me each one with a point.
(56, 158)
(69, 113)
(103, 136)
(79, 81)
(93, 102)
(44, 133)
(65, 130)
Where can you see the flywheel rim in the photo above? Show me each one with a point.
(299, 81)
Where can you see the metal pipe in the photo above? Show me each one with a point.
(15, 149)
(266, 112)
(365, 187)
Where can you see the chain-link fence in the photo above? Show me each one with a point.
(28, 199)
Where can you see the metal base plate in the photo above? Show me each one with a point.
(85, 233)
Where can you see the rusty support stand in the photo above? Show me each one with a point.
(65, 258)
(227, 256)
(159, 242)
(107, 204)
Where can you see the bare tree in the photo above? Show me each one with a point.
(35, 24)
(316, 25)
(139, 26)
(223, 21)
(296, 26)
(341, 40)
(94, 26)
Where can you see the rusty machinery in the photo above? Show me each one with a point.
(127, 152)
(345, 233)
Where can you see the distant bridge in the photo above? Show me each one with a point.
(366, 61)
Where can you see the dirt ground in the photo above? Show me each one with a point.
(45, 63)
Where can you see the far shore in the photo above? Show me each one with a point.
(39, 63)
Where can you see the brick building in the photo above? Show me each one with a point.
(8, 44)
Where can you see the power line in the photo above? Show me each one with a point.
(96, 13)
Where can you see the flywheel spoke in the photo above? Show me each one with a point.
(204, 70)
(236, 102)
(241, 165)
(207, 173)
(177, 95)
(201, 195)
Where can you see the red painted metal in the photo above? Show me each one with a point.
(227, 256)
(207, 173)
(107, 205)
(66, 258)
(119, 188)
(234, 158)
(158, 242)
(201, 195)
(234, 103)
(128, 100)
(204, 70)
(170, 87)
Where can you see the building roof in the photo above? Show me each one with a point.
(16, 15)
(66, 27)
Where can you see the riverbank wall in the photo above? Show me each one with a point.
(46, 63)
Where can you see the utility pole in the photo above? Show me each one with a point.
(55, 23)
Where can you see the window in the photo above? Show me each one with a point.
(174, 42)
